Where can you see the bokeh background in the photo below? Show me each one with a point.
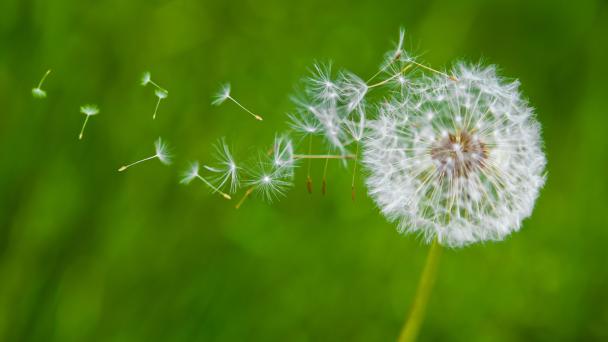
(90, 254)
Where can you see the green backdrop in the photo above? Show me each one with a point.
(90, 254)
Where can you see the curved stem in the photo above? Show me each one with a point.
(156, 108)
(410, 329)
(83, 126)
(247, 193)
(257, 117)
(44, 78)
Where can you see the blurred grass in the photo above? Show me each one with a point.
(89, 254)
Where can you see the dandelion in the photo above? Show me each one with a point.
(161, 94)
(455, 163)
(193, 173)
(459, 164)
(270, 181)
(88, 111)
(38, 92)
(161, 153)
(226, 170)
(273, 175)
(282, 156)
(147, 79)
(320, 85)
(224, 94)
(304, 124)
(352, 90)
(391, 57)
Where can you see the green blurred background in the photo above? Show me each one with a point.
(90, 254)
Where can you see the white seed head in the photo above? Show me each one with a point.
(352, 90)
(319, 84)
(304, 123)
(225, 170)
(162, 151)
(461, 161)
(282, 155)
(191, 173)
(146, 78)
(356, 127)
(269, 181)
(161, 94)
(89, 110)
(38, 93)
(222, 95)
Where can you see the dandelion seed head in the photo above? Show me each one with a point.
(225, 170)
(352, 90)
(222, 95)
(269, 180)
(356, 127)
(162, 151)
(304, 123)
(161, 94)
(89, 110)
(282, 155)
(38, 93)
(319, 84)
(146, 78)
(191, 173)
(466, 166)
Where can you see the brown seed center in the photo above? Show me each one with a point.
(459, 154)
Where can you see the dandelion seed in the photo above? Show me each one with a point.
(226, 170)
(193, 173)
(161, 94)
(270, 185)
(304, 124)
(320, 85)
(283, 158)
(224, 94)
(147, 79)
(352, 90)
(161, 153)
(38, 92)
(472, 173)
(88, 111)
(271, 176)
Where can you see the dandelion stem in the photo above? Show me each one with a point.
(156, 109)
(215, 189)
(378, 73)
(158, 87)
(410, 329)
(247, 193)
(245, 109)
(122, 168)
(323, 156)
(434, 70)
(86, 119)
(404, 69)
(44, 78)
(393, 60)
(352, 186)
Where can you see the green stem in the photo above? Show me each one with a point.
(44, 78)
(410, 330)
